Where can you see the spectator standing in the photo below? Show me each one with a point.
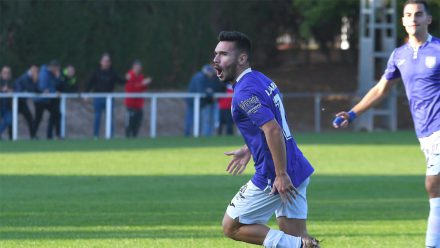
(6, 103)
(205, 82)
(68, 82)
(136, 83)
(193, 87)
(224, 105)
(209, 109)
(27, 83)
(48, 81)
(103, 80)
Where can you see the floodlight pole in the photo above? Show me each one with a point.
(377, 40)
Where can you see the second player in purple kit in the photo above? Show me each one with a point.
(417, 63)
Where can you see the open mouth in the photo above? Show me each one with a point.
(219, 71)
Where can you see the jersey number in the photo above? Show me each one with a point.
(284, 125)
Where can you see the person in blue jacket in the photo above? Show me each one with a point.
(48, 80)
(27, 83)
(206, 83)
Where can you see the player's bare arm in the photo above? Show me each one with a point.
(275, 141)
(240, 158)
(372, 98)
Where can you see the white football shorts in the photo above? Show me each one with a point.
(251, 205)
(431, 148)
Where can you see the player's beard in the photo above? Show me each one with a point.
(229, 73)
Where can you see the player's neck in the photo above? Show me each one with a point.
(240, 71)
(418, 39)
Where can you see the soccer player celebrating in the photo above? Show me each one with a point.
(418, 64)
(282, 172)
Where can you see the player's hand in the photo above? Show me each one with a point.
(341, 120)
(344, 118)
(285, 188)
(240, 158)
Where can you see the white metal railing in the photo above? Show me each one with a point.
(153, 106)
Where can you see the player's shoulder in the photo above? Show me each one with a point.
(255, 75)
(253, 83)
(435, 41)
(402, 50)
(254, 80)
(401, 53)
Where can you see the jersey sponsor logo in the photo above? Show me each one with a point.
(430, 61)
(251, 105)
(272, 87)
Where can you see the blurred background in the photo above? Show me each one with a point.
(305, 46)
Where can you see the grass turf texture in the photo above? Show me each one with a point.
(368, 191)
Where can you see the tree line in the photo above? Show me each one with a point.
(173, 38)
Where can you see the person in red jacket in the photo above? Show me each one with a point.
(224, 105)
(136, 83)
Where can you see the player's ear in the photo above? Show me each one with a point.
(242, 59)
(429, 19)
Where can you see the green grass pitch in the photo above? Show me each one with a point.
(368, 191)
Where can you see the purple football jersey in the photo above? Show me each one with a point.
(257, 101)
(420, 73)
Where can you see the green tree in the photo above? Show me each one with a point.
(172, 38)
(321, 19)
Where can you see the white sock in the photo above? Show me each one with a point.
(433, 232)
(278, 239)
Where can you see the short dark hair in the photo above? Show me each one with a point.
(242, 41)
(423, 2)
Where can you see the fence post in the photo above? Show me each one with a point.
(63, 116)
(153, 116)
(14, 118)
(317, 113)
(196, 131)
(108, 117)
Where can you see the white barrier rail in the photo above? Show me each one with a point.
(153, 106)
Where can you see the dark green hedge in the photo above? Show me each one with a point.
(172, 38)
